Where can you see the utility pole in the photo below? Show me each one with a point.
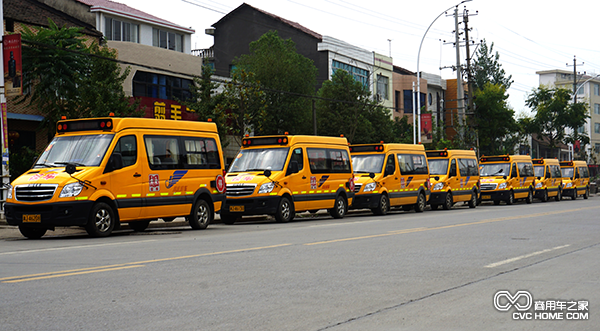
(469, 72)
(575, 77)
(459, 86)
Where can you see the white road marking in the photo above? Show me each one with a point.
(493, 265)
(74, 247)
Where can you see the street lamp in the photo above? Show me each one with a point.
(418, 133)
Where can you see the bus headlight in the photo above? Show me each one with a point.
(266, 188)
(538, 185)
(369, 187)
(9, 188)
(71, 190)
(438, 186)
(502, 186)
(568, 185)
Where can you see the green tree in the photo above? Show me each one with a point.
(68, 78)
(287, 77)
(495, 120)
(242, 107)
(345, 107)
(101, 91)
(554, 113)
(487, 68)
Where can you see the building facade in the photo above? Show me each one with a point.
(588, 91)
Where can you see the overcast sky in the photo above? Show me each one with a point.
(529, 35)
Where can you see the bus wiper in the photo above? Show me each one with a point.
(74, 163)
(253, 170)
(71, 168)
(44, 165)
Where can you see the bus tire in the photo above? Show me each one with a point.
(201, 215)
(448, 202)
(31, 232)
(340, 208)
(529, 198)
(285, 211)
(139, 226)
(586, 194)
(383, 207)
(558, 196)
(473, 200)
(545, 196)
(421, 202)
(102, 220)
(511, 198)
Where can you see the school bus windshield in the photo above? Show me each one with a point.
(438, 167)
(495, 169)
(567, 172)
(538, 171)
(367, 163)
(260, 159)
(85, 151)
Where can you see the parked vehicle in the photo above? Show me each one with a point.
(549, 179)
(390, 175)
(506, 178)
(282, 175)
(454, 178)
(576, 179)
(100, 172)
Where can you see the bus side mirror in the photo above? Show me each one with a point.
(267, 173)
(114, 163)
(293, 169)
(577, 175)
(539, 178)
(389, 170)
(372, 175)
(452, 172)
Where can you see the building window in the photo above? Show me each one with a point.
(596, 108)
(120, 31)
(597, 148)
(580, 89)
(581, 129)
(597, 127)
(596, 89)
(408, 107)
(397, 101)
(168, 40)
(146, 84)
(382, 86)
(359, 74)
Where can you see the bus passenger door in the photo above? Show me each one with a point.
(126, 182)
(298, 182)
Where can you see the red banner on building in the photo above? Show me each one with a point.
(426, 129)
(13, 70)
(166, 109)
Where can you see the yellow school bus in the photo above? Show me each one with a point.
(454, 177)
(285, 174)
(99, 172)
(506, 178)
(576, 179)
(390, 175)
(549, 179)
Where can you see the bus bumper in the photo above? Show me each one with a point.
(49, 215)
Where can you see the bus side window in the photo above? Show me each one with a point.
(390, 167)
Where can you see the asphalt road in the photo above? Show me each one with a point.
(438, 270)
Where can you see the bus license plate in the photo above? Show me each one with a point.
(32, 218)
(486, 196)
(237, 209)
